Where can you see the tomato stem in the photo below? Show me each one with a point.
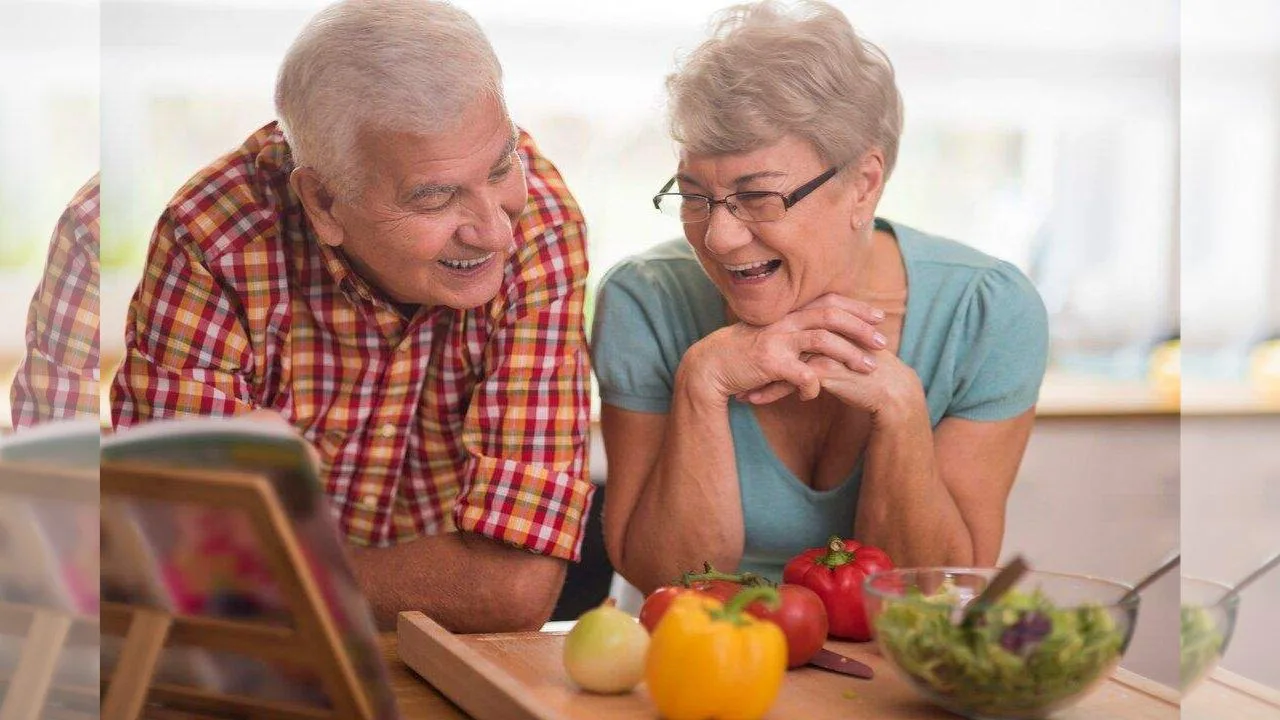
(746, 579)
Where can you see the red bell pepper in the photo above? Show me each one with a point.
(836, 573)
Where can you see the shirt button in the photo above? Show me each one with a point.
(387, 431)
(369, 502)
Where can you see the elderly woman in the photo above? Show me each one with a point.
(801, 367)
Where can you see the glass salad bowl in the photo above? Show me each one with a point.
(1041, 647)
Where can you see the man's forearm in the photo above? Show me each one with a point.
(465, 582)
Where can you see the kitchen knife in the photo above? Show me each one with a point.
(835, 662)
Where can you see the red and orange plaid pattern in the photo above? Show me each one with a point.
(472, 420)
(58, 378)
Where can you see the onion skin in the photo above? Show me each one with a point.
(605, 651)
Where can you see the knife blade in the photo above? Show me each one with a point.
(835, 662)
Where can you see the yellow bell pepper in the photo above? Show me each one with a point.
(713, 661)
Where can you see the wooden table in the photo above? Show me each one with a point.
(416, 698)
(1117, 701)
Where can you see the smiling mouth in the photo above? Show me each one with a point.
(755, 270)
(466, 264)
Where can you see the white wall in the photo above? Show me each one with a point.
(1231, 524)
(1101, 497)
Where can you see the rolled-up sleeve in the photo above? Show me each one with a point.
(527, 429)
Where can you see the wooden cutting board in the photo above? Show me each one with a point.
(520, 676)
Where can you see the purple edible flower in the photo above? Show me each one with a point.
(1031, 627)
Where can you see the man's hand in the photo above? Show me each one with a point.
(271, 417)
(465, 582)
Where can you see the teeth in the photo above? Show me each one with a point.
(747, 266)
(466, 264)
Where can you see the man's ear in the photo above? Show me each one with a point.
(318, 203)
(867, 178)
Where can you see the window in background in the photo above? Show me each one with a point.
(1048, 139)
(48, 143)
(1230, 188)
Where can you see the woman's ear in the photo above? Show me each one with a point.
(867, 179)
(318, 203)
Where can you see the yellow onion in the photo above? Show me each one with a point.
(605, 650)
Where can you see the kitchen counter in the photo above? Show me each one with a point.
(1125, 696)
(1227, 695)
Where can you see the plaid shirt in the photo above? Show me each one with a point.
(471, 420)
(58, 377)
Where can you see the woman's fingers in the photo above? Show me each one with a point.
(840, 321)
(791, 371)
(772, 392)
(826, 368)
(857, 308)
(746, 360)
(836, 347)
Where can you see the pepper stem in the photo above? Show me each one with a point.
(734, 610)
(836, 555)
(746, 579)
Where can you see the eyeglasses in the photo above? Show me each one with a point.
(751, 206)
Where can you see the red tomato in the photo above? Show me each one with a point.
(800, 614)
(655, 606)
(721, 590)
(802, 618)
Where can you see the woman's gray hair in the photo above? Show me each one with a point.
(400, 65)
(769, 71)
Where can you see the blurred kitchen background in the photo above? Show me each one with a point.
(1125, 155)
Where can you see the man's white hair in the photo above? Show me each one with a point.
(392, 65)
(769, 71)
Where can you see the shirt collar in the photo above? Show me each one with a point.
(275, 162)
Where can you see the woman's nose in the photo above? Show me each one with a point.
(725, 232)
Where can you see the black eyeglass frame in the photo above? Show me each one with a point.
(788, 200)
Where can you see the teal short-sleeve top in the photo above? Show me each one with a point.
(975, 331)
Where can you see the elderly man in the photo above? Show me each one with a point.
(395, 270)
(58, 377)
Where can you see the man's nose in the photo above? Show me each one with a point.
(492, 222)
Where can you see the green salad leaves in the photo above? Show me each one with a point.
(1201, 644)
(1021, 658)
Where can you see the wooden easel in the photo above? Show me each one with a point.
(312, 642)
(45, 631)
